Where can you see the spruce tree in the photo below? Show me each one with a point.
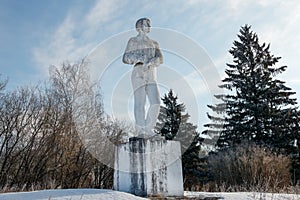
(170, 116)
(258, 107)
(173, 125)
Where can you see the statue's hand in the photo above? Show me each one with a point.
(146, 66)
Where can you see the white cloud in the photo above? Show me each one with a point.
(59, 47)
(103, 11)
(243, 5)
(76, 35)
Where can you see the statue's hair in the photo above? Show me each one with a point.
(139, 23)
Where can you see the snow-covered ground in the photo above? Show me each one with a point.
(96, 194)
(70, 194)
(244, 196)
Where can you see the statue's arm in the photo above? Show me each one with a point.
(158, 58)
(129, 57)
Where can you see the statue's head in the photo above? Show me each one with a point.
(143, 25)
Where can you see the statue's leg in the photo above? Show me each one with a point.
(139, 100)
(154, 100)
(139, 109)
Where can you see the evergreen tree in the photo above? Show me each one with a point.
(170, 116)
(173, 125)
(193, 167)
(258, 108)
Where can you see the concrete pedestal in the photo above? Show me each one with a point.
(147, 167)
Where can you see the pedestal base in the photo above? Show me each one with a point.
(147, 167)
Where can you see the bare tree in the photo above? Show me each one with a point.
(20, 127)
(73, 94)
(48, 134)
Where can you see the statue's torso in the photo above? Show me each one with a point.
(142, 49)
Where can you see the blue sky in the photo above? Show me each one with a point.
(36, 34)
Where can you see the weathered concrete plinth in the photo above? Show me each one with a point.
(147, 167)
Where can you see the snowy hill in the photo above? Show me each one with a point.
(97, 194)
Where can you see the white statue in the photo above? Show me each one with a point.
(145, 55)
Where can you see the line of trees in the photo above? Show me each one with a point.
(57, 136)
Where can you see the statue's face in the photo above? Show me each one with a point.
(143, 25)
(146, 26)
